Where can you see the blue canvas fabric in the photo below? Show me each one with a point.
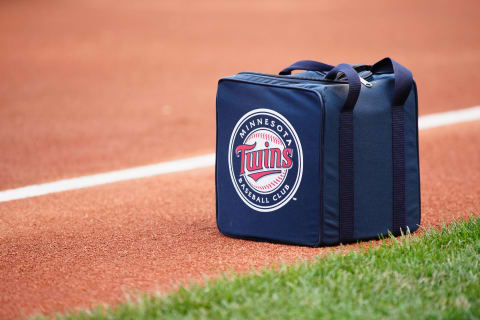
(280, 176)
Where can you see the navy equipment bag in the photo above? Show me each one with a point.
(321, 157)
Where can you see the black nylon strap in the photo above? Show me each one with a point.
(309, 65)
(398, 164)
(403, 85)
(346, 173)
(345, 153)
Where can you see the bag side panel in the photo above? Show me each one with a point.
(373, 161)
(298, 221)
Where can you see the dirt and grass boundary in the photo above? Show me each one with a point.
(435, 275)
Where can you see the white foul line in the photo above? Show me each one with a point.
(108, 177)
(207, 160)
(450, 117)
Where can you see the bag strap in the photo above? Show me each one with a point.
(403, 79)
(309, 65)
(345, 153)
(403, 86)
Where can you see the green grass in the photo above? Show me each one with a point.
(435, 275)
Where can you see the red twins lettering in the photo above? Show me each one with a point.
(267, 161)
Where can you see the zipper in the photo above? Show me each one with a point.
(365, 82)
(293, 79)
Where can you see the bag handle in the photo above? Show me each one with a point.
(308, 65)
(403, 85)
(354, 84)
(345, 152)
(403, 78)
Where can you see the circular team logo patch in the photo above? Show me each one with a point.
(265, 160)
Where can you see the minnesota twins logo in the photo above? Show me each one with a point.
(265, 160)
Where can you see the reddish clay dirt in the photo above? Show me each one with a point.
(87, 87)
(93, 86)
(80, 248)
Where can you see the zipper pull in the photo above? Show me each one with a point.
(366, 83)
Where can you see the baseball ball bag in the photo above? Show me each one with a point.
(321, 157)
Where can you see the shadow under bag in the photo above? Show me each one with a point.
(321, 157)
